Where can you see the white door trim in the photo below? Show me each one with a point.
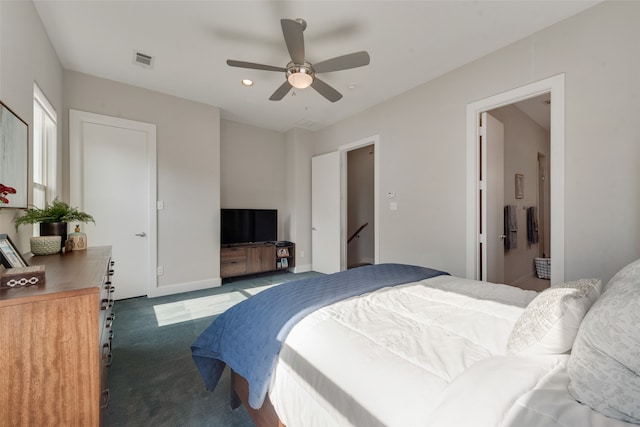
(344, 149)
(76, 118)
(555, 85)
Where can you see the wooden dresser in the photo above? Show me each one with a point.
(55, 342)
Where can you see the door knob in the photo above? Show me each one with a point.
(502, 236)
(313, 229)
(141, 234)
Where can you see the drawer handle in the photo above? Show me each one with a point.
(109, 360)
(104, 304)
(106, 397)
(107, 354)
(106, 350)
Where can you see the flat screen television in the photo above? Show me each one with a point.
(248, 226)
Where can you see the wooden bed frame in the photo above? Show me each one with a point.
(265, 416)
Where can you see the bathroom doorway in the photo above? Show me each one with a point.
(524, 213)
(478, 188)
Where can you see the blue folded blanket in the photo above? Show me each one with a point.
(248, 336)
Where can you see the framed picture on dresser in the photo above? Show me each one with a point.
(9, 255)
(282, 252)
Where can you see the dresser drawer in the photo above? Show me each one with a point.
(228, 255)
(233, 268)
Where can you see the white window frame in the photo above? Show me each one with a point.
(44, 163)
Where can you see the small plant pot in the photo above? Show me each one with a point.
(45, 245)
(54, 229)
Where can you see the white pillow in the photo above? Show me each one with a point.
(604, 366)
(628, 274)
(550, 322)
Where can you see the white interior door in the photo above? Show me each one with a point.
(113, 169)
(325, 213)
(493, 145)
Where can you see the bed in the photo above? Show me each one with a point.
(431, 349)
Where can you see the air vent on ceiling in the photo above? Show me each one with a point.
(305, 123)
(143, 59)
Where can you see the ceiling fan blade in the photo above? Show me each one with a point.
(253, 66)
(281, 91)
(344, 62)
(294, 39)
(325, 90)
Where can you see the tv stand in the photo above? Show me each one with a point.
(251, 258)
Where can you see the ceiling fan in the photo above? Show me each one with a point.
(301, 74)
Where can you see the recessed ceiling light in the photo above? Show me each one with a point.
(247, 82)
(351, 86)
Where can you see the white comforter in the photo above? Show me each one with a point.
(430, 353)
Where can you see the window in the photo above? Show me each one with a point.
(44, 149)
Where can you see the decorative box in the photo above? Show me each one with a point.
(22, 276)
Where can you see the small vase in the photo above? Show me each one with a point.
(78, 239)
(54, 229)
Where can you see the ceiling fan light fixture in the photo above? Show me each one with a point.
(300, 80)
(300, 76)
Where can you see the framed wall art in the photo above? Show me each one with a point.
(519, 186)
(14, 142)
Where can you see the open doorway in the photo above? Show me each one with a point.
(478, 189)
(330, 214)
(524, 211)
(360, 218)
(360, 166)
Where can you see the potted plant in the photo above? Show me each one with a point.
(53, 218)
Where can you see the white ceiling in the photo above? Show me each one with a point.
(410, 42)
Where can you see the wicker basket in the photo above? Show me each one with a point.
(543, 268)
(45, 245)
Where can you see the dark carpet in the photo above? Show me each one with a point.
(153, 380)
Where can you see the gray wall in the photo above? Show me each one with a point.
(299, 146)
(188, 167)
(26, 55)
(422, 134)
(252, 170)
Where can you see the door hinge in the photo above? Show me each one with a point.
(481, 238)
(481, 185)
(482, 131)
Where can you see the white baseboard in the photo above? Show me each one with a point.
(302, 268)
(179, 288)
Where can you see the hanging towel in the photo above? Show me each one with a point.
(532, 225)
(510, 228)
